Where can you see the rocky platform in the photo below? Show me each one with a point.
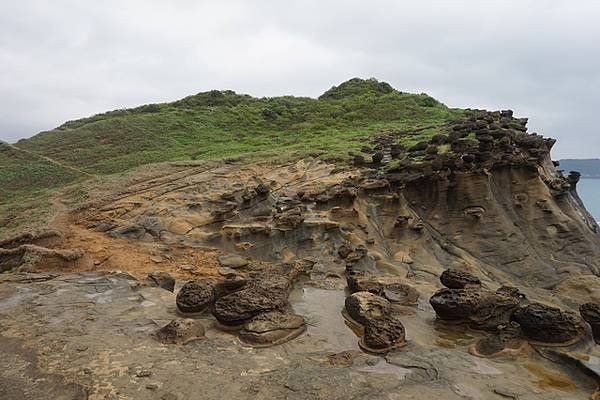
(314, 280)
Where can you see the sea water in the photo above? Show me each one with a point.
(589, 191)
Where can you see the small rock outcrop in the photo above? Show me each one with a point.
(162, 280)
(257, 297)
(547, 324)
(457, 279)
(382, 330)
(481, 309)
(180, 331)
(196, 296)
(272, 328)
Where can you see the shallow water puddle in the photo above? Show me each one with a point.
(548, 379)
(450, 337)
(322, 310)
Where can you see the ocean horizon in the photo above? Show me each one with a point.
(589, 191)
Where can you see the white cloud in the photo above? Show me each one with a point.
(66, 59)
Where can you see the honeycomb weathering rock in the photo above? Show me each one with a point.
(548, 324)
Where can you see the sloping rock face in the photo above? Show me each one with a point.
(285, 254)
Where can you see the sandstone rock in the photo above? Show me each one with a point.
(390, 288)
(162, 280)
(382, 331)
(289, 219)
(232, 261)
(457, 279)
(364, 306)
(196, 296)
(344, 250)
(223, 211)
(481, 309)
(400, 293)
(272, 328)
(590, 312)
(455, 304)
(374, 184)
(383, 334)
(547, 324)
(257, 297)
(180, 331)
(573, 179)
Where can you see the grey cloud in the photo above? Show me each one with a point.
(65, 59)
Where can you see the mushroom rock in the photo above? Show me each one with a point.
(363, 306)
(260, 296)
(383, 334)
(272, 328)
(196, 296)
(481, 309)
(457, 279)
(547, 324)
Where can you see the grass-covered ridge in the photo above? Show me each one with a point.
(216, 124)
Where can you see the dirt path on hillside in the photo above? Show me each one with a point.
(51, 160)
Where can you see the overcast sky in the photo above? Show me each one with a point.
(61, 59)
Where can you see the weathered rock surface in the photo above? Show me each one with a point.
(548, 324)
(162, 280)
(365, 306)
(195, 297)
(382, 330)
(257, 297)
(272, 328)
(457, 279)
(590, 312)
(481, 309)
(180, 331)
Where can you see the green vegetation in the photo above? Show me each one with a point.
(215, 125)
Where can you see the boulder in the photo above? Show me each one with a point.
(455, 304)
(289, 219)
(180, 331)
(479, 308)
(383, 334)
(257, 297)
(457, 279)
(272, 328)
(196, 296)
(547, 324)
(364, 306)
(162, 280)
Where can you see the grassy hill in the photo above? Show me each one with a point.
(210, 125)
